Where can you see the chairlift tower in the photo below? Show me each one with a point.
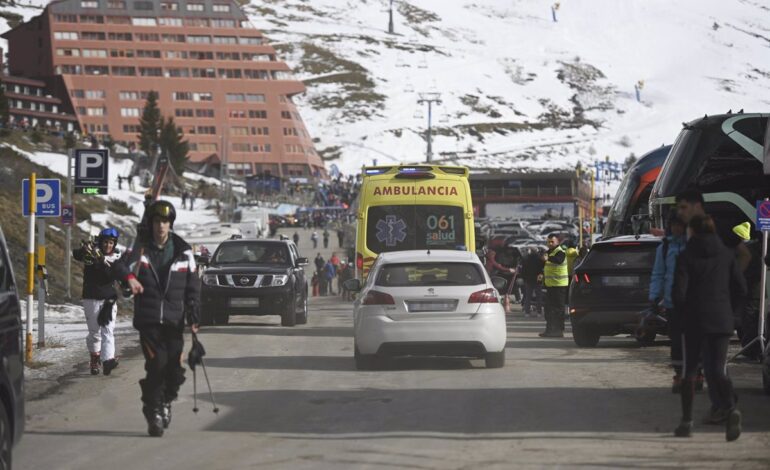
(430, 98)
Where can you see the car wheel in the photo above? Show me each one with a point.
(585, 337)
(6, 439)
(495, 360)
(222, 319)
(207, 318)
(647, 338)
(365, 361)
(289, 316)
(766, 375)
(302, 315)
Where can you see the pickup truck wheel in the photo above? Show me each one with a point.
(6, 439)
(302, 315)
(222, 318)
(289, 316)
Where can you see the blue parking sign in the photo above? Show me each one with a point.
(763, 216)
(48, 198)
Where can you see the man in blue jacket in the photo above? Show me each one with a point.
(161, 273)
(661, 283)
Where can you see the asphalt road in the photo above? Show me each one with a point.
(290, 398)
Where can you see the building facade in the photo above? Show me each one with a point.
(214, 74)
(31, 105)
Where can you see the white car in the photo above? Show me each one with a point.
(428, 303)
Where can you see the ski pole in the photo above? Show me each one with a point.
(195, 392)
(211, 393)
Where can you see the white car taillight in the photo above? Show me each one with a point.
(486, 296)
(378, 298)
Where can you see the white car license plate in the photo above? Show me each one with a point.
(431, 306)
(621, 281)
(244, 302)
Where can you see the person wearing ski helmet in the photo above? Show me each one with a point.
(99, 298)
(161, 274)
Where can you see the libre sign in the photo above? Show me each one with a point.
(91, 172)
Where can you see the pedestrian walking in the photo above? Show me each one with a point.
(556, 279)
(326, 238)
(707, 277)
(185, 195)
(192, 201)
(161, 274)
(661, 284)
(99, 298)
(120, 182)
(314, 239)
(531, 269)
(494, 268)
(330, 272)
(340, 237)
(296, 238)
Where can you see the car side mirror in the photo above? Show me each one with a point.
(352, 285)
(499, 282)
(302, 262)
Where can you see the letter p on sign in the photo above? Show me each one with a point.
(91, 165)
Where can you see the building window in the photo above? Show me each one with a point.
(237, 114)
(260, 131)
(118, 20)
(92, 36)
(263, 148)
(177, 72)
(95, 94)
(176, 54)
(120, 37)
(65, 35)
(148, 54)
(239, 168)
(255, 98)
(101, 53)
(148, 37)
(285, 115)
(139, 21)
(184, 112)
(170, 22)
(228, 56)
(203, 96)
(128, 95)
(204, 113)
(250, 41)
(66, 69)
(255, 57)
(220, 8)
(150, 71)
(234, 97)
(196, 22)
(181, 96)
(195, 7)
(225, 40)
(131, 128)
(173, 38)
(66, 18)
(256, 74)
(92, 19)
(116, 4)
(240, 147)
(124, 71)
(209, 130)
(122, 53)
(204, 73)
(68, 52)
(218, 23)
(206, 147)
(169, 6)
(290, 131)
(130, 112)
(199, 39)
(239, 131)
(229, 73)
(257, 114)
(89, 4)
(201, 55)
(100, 111)
(75, 93)
(143, 6)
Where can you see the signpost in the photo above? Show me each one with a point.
(91, 171)
(763, 224)
(47, 197)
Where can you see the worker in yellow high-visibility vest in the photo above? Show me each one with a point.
(556, 279)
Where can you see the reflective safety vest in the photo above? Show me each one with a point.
(556, 275)
(572, 255)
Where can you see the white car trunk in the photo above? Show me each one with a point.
(431, 302)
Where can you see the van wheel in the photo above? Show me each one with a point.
(6, 439)
(289, 317)
(584, 336)
(302, 315)
(495, 360)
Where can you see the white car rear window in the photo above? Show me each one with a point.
(430, 274)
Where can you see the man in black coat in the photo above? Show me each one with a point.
(531, 267)
(161, 273)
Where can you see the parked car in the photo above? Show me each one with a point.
(255, 277)
(12, 372)
(428, 303)
(610, 288)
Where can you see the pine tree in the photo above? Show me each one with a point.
(150, 124)
(172, 143)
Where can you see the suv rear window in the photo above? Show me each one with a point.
(430, 274)
(620, 256)
(250, 252)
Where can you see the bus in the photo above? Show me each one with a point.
(412, 207)
(633, 197)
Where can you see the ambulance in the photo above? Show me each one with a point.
(412, 207)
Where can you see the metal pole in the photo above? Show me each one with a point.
(41, 283)
(430, 149)
(68, 253)
(593, 207)
(390, 20)
(30, 265)
(763, 293)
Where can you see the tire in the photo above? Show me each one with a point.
(302, 315)
(495, 360)
(766, 375)
(289, 317)
(365, 361)
(647, 339)
(6, 439)
(584, 336)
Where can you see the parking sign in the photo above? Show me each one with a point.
(68, 215)
(48, 197)
(91, 171)
(763, 216)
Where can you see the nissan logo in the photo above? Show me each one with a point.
(620, 263)
(431, 290)
(244, 281)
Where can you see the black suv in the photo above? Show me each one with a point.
(255, 277)
(610, 288)
(12, 372)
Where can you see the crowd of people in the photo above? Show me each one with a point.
(330, 272)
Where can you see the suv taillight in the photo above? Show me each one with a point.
(486, 296)
(359, 261)
(378, 298)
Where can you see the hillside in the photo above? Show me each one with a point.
(518, 90)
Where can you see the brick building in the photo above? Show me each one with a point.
(214, 73)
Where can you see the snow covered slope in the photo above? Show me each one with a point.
(518, 89)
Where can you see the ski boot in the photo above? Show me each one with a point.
(154, 421)
(95, 362)
(165, 413)
(109, 365)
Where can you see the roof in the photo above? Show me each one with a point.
(718, 119)
(422, 255)
(645, 238)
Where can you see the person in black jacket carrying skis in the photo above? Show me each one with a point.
(161, 273)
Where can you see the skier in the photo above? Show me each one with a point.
(166, 293)
(99, 294)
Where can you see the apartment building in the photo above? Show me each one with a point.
(214, 73)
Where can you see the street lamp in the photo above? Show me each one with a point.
(430, 98)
